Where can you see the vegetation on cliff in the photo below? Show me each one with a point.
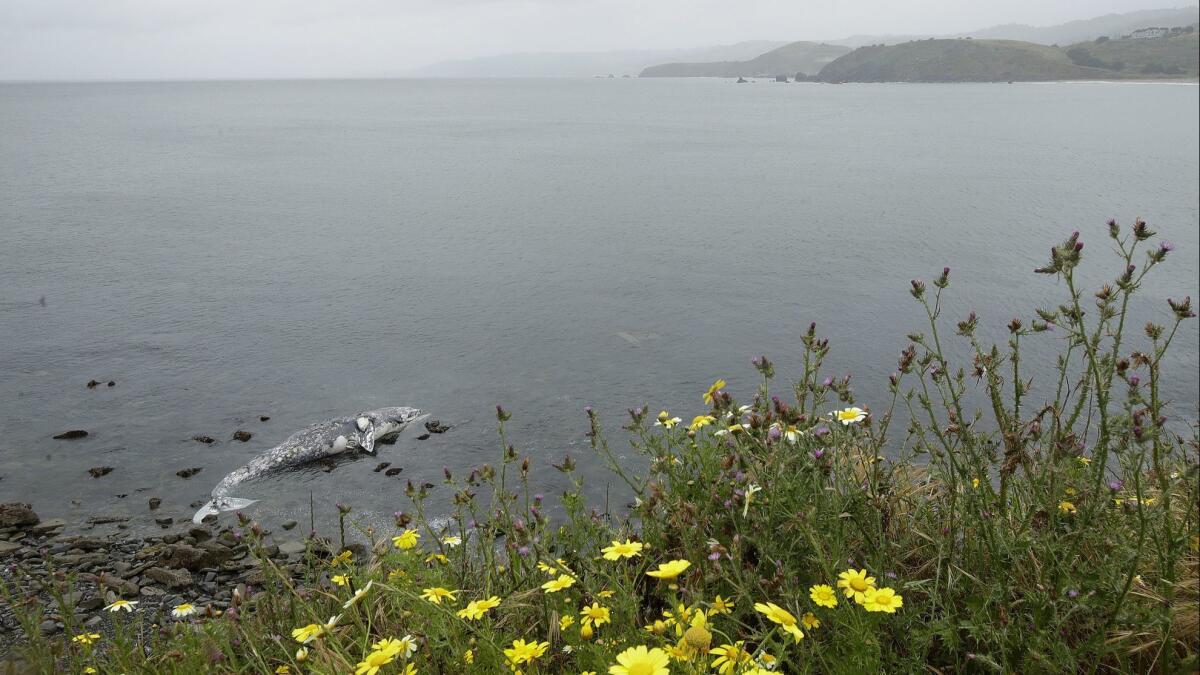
(957, 61)
(789, 528)
(1169, 55)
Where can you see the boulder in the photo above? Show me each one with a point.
(195, 558)
(293, 547)
(17, 514)
(48, 526)
(168, 577)
(242, 436)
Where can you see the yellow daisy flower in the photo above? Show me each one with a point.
(855, 584)
(437, 594)
(823, 595)
(848, 416)
(780, 616)
(406, 539)
(669, 570)
(730, 657)
(562, 583)
(373, 662)
(641, 661)
(710, 395)
(883, 600)
(477, 608)
(524, 652)
(626, 549)
(595, 615)
(720, 606)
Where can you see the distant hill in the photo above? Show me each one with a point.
(964, 60)
(589, 64)
(1169, 55)
(1111, 25)
(792, 58)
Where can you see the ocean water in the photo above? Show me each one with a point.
(303, 250)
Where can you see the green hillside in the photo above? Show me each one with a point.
(962, 60)
(796, 57)
(1178, 55)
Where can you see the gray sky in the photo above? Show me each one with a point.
(179, 39)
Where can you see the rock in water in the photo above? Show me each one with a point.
(17, 514)
(92, 384)
(155, 502)
(71, 435)
(742, 80)
(242, 436)
(188, 473)
(263, 418)
(98, 471)
(207, 440)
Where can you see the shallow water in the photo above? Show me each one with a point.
(304, 250)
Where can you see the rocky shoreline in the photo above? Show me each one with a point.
(203, 565)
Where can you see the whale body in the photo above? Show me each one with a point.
(324, 439)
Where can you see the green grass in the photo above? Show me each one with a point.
(1052, 530)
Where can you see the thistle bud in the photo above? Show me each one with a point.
(944, 279)
(918, 288)
(1141, 231)
(1182, 308)
(1114, 230)
(502, 415)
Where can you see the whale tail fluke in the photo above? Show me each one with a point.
(215, 506)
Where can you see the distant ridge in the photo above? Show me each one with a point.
(806, 58)
(588, 64)
(1110, 25)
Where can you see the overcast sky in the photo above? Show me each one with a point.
(181, 39)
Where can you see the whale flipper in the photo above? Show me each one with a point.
(215, 506)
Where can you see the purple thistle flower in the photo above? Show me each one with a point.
(714, 556)
(774, 434)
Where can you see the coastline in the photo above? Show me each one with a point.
(207, 565)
